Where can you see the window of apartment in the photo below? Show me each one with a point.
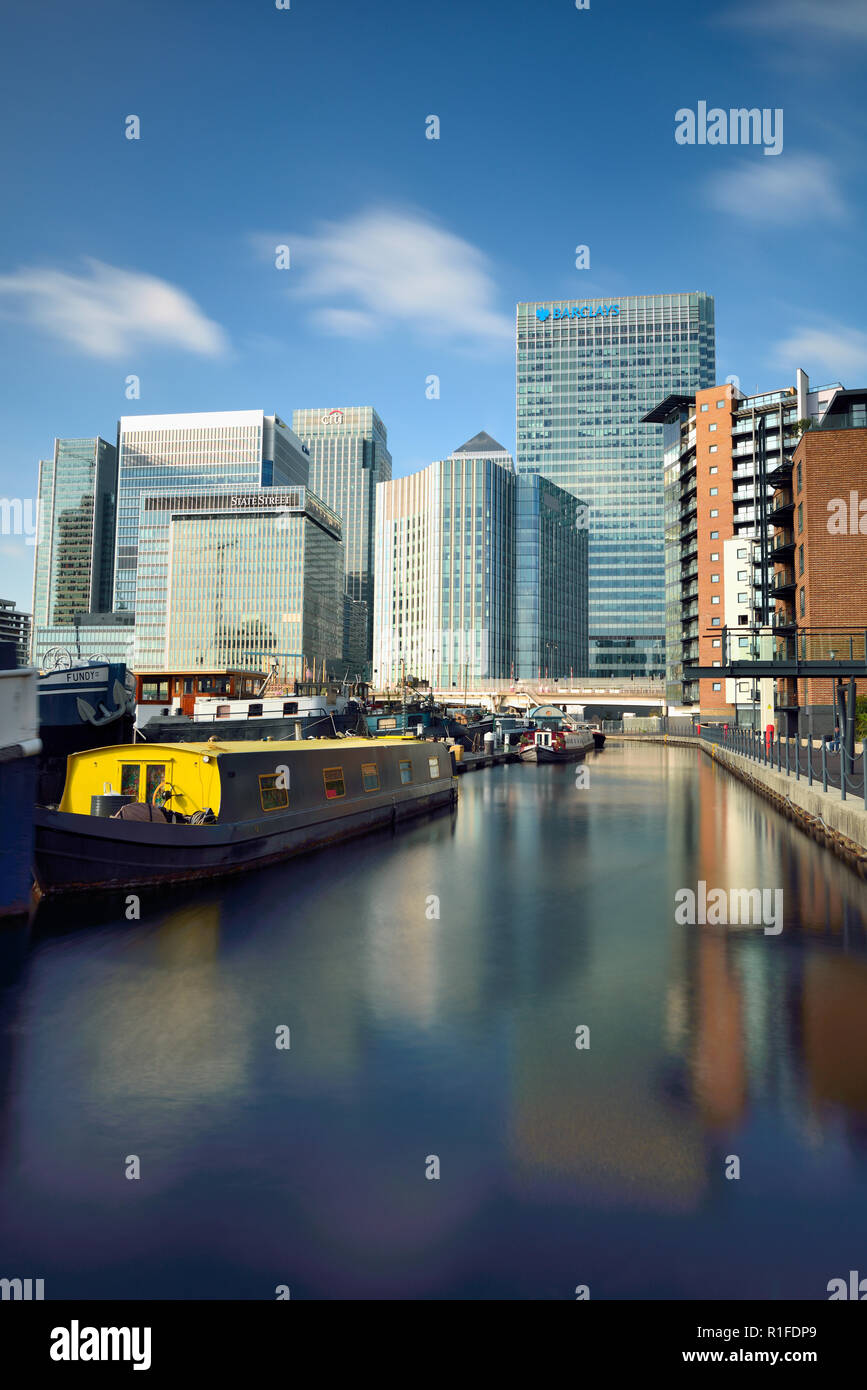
(803, 593)
(742, 553)
(742, 575)
(714, 579)
(744, 687)
(705, 406)
(370, 777)
(743, 641)
(800, 516)
(799, 478)
(714, 512)
(714, 535)
(334, 783)
(714, 492)
(800, 559)
(717, 642)
(272, 797)
(716, 685)
(715, 598)
(714, 555)
(405, 771)
(743, 598)
(714, 469)
(715, 622)
(711, 427)
(716, 663)
(720, 404)
(714, 448)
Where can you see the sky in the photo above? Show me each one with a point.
(307, 127)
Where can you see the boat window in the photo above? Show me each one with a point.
(154, 774)
(370, 777)
(129, 775)
(334, 784)
(272, 797)
(290, 706)
(405, 770)
(433, 768)
(223, 711)
(253, 711)
(154, 690)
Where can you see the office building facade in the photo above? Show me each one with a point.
(238, 578)
(551, 597)
(241, 448)
(348, 450)
(73, 566)
(15, 627)
(468, 557)
(587, 371)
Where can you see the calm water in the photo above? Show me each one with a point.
(414, 1036)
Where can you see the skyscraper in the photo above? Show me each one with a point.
(587, 370)
(477, 571)
(348, 457)
(244, 448)
(75, 536)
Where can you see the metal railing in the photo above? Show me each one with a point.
(824, 762)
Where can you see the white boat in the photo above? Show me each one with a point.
(555, 745)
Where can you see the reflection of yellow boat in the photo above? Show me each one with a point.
(160, 813)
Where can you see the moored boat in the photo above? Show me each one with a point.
(554, 745)
(149, 813)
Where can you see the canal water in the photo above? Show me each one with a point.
(432, 982)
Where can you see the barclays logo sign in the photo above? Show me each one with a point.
(585, 311)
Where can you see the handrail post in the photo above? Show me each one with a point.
(787, 755)
(824, 765)
(810, 750)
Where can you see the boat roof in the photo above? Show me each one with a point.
(266, 745)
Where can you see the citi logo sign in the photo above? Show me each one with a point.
(332, 417)
(584, 311)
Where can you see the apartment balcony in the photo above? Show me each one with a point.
(783, 541)
(783, 583)
(782, 506)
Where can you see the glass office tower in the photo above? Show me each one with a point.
(587, 370)
(244, 448)
(550, 581)
(239, 577)
(75, 536)
(348, 457)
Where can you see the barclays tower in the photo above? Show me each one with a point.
(587, 370)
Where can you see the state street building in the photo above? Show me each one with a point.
(587, 370)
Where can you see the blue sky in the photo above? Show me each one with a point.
(306, 127)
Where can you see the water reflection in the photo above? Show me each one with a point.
(433, 981)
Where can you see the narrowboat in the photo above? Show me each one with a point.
(554, 745)
(150, 813)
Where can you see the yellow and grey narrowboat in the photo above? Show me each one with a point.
(151, 813)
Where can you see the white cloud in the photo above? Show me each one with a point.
(796, 188)
(384, 267)
(790, 19)
(110, 312)
(835, 353)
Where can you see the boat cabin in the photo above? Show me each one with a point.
(251, 780)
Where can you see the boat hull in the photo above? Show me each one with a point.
(77, 853)
(538, 753)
